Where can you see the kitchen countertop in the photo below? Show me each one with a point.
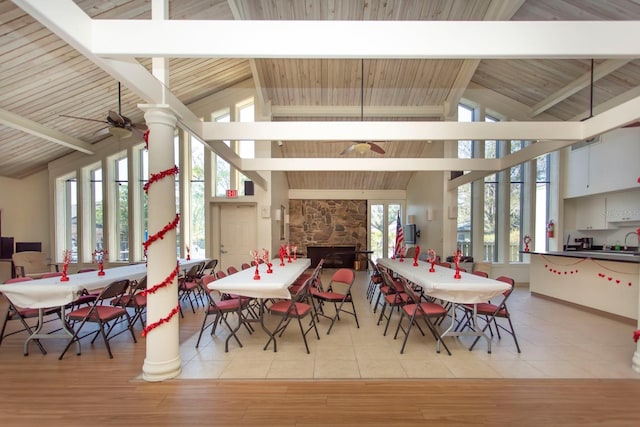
(609, 255)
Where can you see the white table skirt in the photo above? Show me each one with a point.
(51, 292)
(274, 285)
(469, 289)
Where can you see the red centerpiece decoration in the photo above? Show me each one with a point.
(456, 261)
(66, 259)
(401, 252)
(288, 249)
(415, 256)
(267, 260)
(431, 258)
(527, 241)
(188, 253)
(281, 253)
(294, 249)
(256, 260)
(98, 257)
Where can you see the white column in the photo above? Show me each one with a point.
(162, 360)
(635, 361)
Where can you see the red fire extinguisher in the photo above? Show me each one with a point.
(550, 229)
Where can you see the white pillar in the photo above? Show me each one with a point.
(162, 360)
(635, 361)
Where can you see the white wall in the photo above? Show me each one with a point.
(424, 195)
(25, 212)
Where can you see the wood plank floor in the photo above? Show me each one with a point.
(93, 390)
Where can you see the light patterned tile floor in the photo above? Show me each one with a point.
(557, 341)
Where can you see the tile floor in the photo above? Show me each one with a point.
(557, 341)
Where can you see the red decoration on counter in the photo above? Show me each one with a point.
(527, 241)
(415, 256)
(431, 258)
(456, 261)
(66, 259)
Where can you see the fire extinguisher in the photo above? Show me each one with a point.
(550, 229)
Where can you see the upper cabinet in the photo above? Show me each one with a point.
(623, 208)
(591, 213)
(610, 164)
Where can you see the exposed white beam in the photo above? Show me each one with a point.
(599, 71)
(354, 111)
(392, 131)
(65, 19)
(23, 124)
(369, 164)
(363, 39)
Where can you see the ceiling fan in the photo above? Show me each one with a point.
(362, 147)
(120, 125)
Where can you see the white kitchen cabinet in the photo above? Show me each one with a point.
(591, 213)
(623, 207)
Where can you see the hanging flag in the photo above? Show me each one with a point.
(399, 237)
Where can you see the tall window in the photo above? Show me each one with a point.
(465, 151)
(97, 216)
(490, 217)
(122, 210)
(223, 168)
(246, 148)
(197, 199)
(68, 187)
(540, 241)
(516, 195)
(144, 200)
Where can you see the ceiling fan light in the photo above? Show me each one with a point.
(362, 148)
(120, 133)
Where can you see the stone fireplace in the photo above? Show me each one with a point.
(328, 223)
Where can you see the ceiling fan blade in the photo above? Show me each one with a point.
(376, 148)
(116, 119)
(139, 126)
(632, 125)
(103, 131)
(348, 150)
(83, 118)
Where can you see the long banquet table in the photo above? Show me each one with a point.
(441, 284)
(270, 285)
(51, 292)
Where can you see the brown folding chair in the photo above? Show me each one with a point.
(392, 300)
(135, 299)
(188, 285)
(417, 309)
(296, 308)
(106, 315)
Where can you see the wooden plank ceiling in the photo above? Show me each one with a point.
(41, 77)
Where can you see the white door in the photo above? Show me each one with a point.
(237, 234)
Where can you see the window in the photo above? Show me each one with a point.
(144, 199)
(97, 206)
(464, 228)
(197, 245)
(68, 211)
(222, 168)
(516, 195)
(382, 228)
(490, 205)
(540, 241)
(121, 210)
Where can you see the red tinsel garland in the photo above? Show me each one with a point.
(636, 335)
(166, 282)
(154, 325)
(160, 235)
(158, 176)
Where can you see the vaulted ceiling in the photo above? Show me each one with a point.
(44, 74)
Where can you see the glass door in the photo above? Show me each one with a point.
(382, 228)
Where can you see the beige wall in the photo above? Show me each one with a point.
(25, 212)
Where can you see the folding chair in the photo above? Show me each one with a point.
(417, 309)
(134, 299)
(188, 285)
(344, 278)
(493, 311)
(392, 300)
(296, 308)
(106, 315)
(220, 309)
(22, 314)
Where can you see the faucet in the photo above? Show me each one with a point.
(631, 233)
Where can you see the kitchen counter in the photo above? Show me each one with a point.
(602, 280)
(619, 256)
